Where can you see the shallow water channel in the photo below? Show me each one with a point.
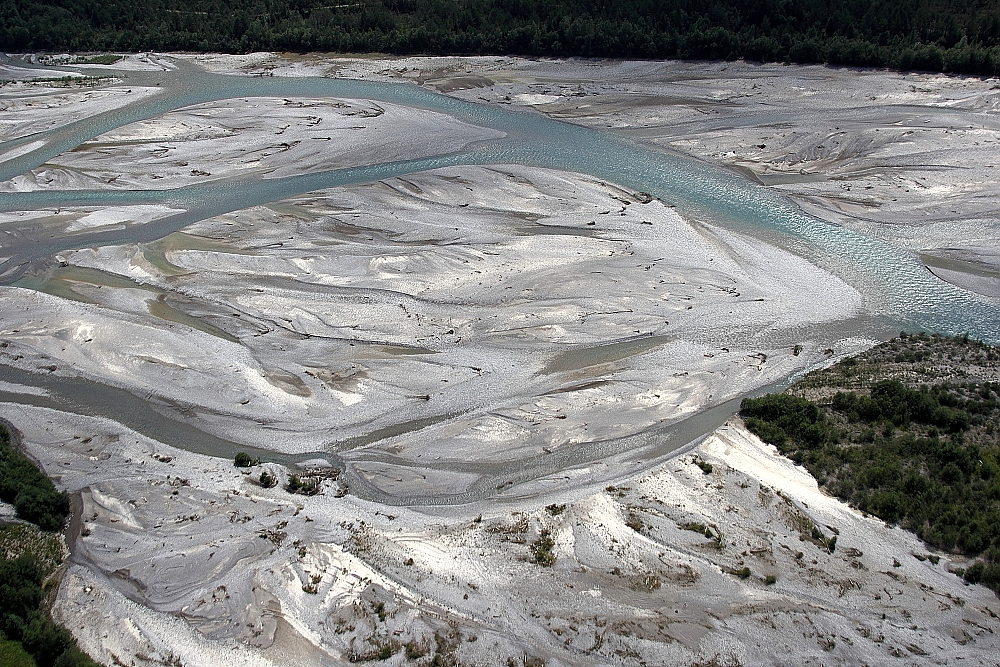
(899, 291)
(894, 281)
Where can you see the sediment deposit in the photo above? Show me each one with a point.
(475, 360)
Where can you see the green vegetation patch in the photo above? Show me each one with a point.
(21, 538)
(12, 654)
(28, 558)
(306, 486)
(541, 549)
(267, 480)
(554, 509)
(937, 35)
(908, 431)
(25, 623)
(28, 489)
(244, 460)
(99, 59)
(67, 81)
(696, 527)
(103, 59)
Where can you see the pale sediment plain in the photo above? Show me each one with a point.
(470, 345)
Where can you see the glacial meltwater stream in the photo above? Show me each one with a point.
(899, 292)
(894, 281)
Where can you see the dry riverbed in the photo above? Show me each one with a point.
(473, 345)
(186, 557)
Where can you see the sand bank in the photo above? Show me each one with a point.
(908, 158)
(474, 344)
(295, 318)
(185, 556)
(250, 137)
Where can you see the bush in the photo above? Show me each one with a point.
(12, 654)
(45, 640)
(243, 460)
(28, 636)
(414, 651)
(74, 657)
(267, 480)
(768, 432)
(306, 487)
(541, 549)
(985, 572)
(775, 415)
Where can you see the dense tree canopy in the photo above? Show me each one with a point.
(938, 35)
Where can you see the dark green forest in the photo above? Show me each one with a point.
(908, 432)
(936, 35)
